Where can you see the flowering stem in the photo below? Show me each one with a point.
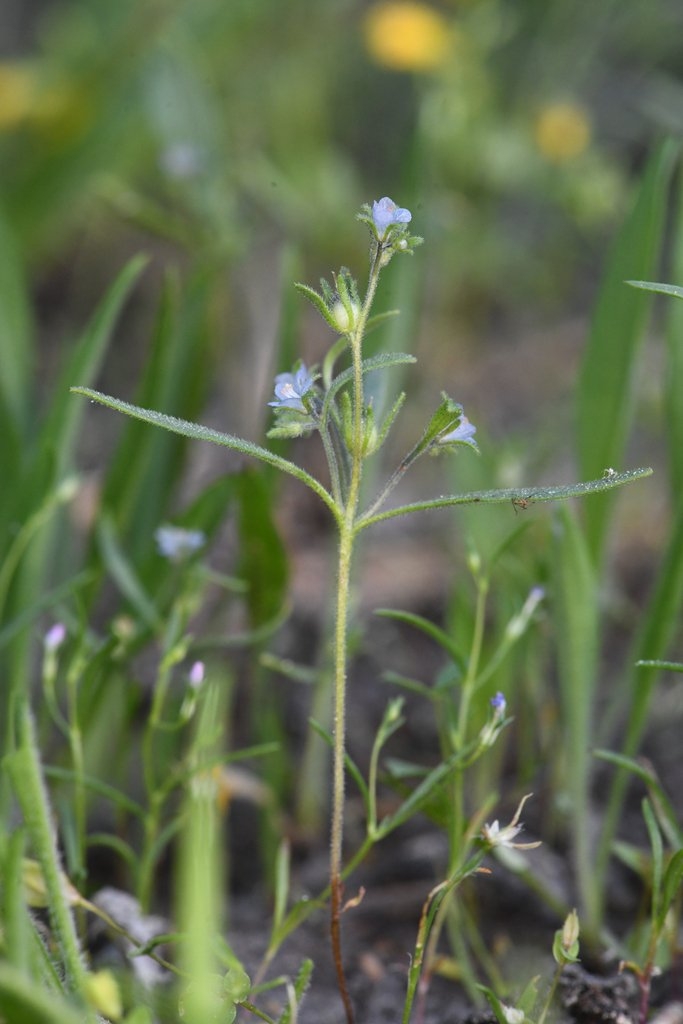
(347, 532)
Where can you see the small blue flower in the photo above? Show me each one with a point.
(499, 704)
(290, 388)
(385, 212)
(464, 433)
(55, 637)
(177, 544)
(196, 675)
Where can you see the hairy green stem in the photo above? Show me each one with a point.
(347, 532)
(24, 769)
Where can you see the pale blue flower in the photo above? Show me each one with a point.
(182, 160)
(385, 212)
(55, 636)
(497, 835)
(290, 388)
(464, 433)
(499, 704)
(176, 543)
(196, 675)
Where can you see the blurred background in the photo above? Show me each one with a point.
(234, 136)
(234, 142)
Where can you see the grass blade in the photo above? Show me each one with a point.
(606, 382)
(577, 640)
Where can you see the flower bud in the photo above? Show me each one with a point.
(55, 637)
(345, 316)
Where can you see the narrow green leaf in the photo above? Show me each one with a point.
(22, 1000)
(103, 789)
(576, 601)
(605, 388)
(301, 983)
(657, 629)
(15, 922)
(661, 289)
(412, 685)
(494, 1002)
(418, 797)
(670, 885)
(282, 879)
(657, 848)
(428, 628)
(350, 765)
(48, 600)
(673, 373)
(62, 421)
(124, 576)
(301, 910)
(379, 319)
(669, 666)
(519, 497)
(128, 855)
(527, 999)
(147, 463)
(16, 343)
(200, 433)
(666, 813)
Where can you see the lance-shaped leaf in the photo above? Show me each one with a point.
(520, 497)
(446, 418)
(661, 289)
(200, 433)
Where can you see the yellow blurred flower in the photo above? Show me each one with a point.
(562, 131)
(406, 35)
(62, 113)
(17, 92)
(102, 992)
(57, 110)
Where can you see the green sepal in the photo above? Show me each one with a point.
(347, 289)
(369, 430)
(395, 240)
(561, 955)
(291, 424)
(392, 721)
(527, 1000)
(446, 418)
(319, 302)
(388, 422)
(236, 984)
(346, 415)
(301, 983)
